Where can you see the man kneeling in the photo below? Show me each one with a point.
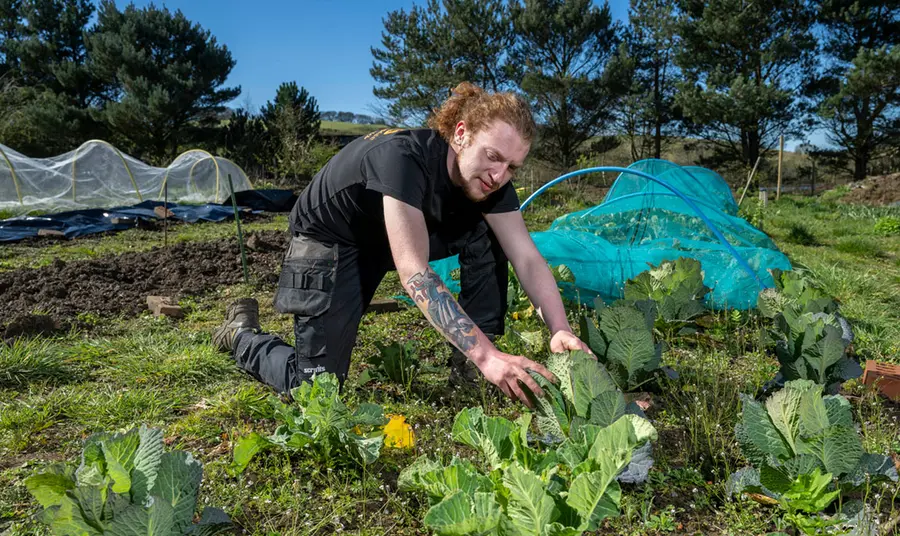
(397, 199)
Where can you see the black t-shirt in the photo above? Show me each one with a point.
(343, 203)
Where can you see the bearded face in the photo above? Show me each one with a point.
(486, 160)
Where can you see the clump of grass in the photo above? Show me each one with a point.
(705, 402)
(22, 419)
(860, 248)
(800, 235)
(28, 360)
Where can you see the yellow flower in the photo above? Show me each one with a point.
(397, 433)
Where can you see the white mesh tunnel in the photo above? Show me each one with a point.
(97, 175)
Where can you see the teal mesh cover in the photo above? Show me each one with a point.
(643, 221)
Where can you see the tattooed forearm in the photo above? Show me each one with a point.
(427, 289)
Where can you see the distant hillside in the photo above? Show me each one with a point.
(339, 128)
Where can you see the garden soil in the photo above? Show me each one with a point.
(50, 298)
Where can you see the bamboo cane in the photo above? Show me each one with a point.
(237, 219)
(750, 178)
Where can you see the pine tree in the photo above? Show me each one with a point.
(649, 114)
(426, 52)
(858, 94)
(296, 101)
(167, 75)
(54, 65)
(743, 63)
(568, 52)
(10, 31)
(292, 121)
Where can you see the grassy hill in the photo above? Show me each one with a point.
(339, 128)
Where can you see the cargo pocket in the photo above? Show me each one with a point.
(305, 288)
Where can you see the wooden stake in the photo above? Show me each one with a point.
(166, 219)
(750, 178)
(780, 156)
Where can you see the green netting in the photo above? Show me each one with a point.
(656, 211)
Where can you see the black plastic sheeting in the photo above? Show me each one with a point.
(84, 222)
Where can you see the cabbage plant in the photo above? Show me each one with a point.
(797, 431)
(320, 423)
(623, 342)
(524, 490)
(125, 485)
(677, 289)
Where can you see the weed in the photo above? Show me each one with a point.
(799, 234)
(887, 226)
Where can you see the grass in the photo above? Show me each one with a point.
(29, 360)
(163, 372)
(859, 268)
(339, 128)
(859, 247)
(799, 234)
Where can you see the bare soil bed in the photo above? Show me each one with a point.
(118, 285)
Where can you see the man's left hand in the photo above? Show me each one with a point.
(563, 341)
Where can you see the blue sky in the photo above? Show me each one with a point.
(323, 45)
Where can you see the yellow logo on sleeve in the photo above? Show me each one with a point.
(383, 132)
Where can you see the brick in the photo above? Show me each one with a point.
(154, 303)
(172, 311)
(886, 376)
(383, 306)
(50, 232)
(163, 212)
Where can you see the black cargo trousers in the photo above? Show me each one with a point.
(329, 286)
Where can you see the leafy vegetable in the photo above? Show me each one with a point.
(517, 302)
(812, 346)
(807, 495)
(677, 289)
(887, 226)
(125, 485)
(395, 362)
(623, 342)
(528, 491)
(812, 339)
(319, 422)
(797, 432)
(793, 289)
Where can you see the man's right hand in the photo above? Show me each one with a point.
(506, 371)
(408, 237)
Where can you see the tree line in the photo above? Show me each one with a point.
(148, 80)
(735, 73)
(350, 117)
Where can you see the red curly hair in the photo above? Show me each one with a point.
(478, 108)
